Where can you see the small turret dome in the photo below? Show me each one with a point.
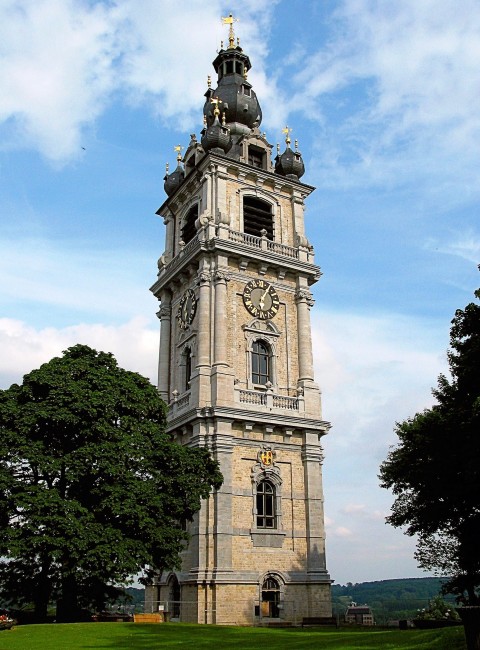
(216, 138)
(290, 163)
(175, 179)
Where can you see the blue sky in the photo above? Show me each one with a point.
(383, 97)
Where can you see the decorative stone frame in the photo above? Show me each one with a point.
(260, 330)
(280, 579)
(187, 343)
(264, 196)
(271, 537)
(183, 217)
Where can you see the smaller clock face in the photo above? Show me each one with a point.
(261, 299)
(187, 308)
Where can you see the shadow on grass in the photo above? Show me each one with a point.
(150, 637)
(131, 636)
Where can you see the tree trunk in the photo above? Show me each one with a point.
(67, 604)
(43, 592)
(471, 622)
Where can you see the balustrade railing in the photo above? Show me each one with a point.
(283, 402)
(252, 397)
(268, 399)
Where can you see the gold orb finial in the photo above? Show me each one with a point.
(287, 132)
(178, 148)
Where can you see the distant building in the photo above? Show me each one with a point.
(359, 615)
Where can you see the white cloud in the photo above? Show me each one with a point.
(56, 61)
(341, 531)
(373, 370)
(409, 73)
(354, 508)
(66, 275)
(464, 245)
(24, 347)
(61, 61)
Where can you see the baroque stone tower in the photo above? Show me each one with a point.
(236, 370)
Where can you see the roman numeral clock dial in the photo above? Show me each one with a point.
(260, 299)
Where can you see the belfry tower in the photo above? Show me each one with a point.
(236, 366)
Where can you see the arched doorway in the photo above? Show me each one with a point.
(270, 598)
(174, 597)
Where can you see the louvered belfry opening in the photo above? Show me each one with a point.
(188, 229)
(257, 216)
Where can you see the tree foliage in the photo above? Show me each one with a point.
(434, 472)
(92, 489)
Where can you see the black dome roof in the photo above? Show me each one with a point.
(237, 99)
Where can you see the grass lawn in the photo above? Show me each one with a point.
(83, 636)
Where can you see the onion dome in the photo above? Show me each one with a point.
(241, 106)
(289, 163)
(175, 179)
(216, 138)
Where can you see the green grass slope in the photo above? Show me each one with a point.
(120, 636)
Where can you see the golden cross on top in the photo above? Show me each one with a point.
(229, 20)
(178, 148)
(287, 132)
(216, 101)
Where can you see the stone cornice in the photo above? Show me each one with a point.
(261, 418)
(235, 249)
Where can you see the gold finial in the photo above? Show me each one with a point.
(224, 122)
(245, 72)
(178, 149)
(209, 81)
(229, 20)
(287, 132)
(216, 101)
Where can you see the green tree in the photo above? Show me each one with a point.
(434, 471)
(92, 489)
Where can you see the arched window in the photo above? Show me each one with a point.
(266, 505)
(270, 598)
(186, 368)
(188, 228)
(261, 363)
(257, 216)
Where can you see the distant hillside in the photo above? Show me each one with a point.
(389, 599)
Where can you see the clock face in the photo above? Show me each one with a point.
(187, 308)
(261, 299)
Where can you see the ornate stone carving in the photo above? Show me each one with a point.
(222, 276)
(203, 277)
(304, 295)
(164, 312)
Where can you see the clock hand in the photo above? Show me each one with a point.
(261, 302)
